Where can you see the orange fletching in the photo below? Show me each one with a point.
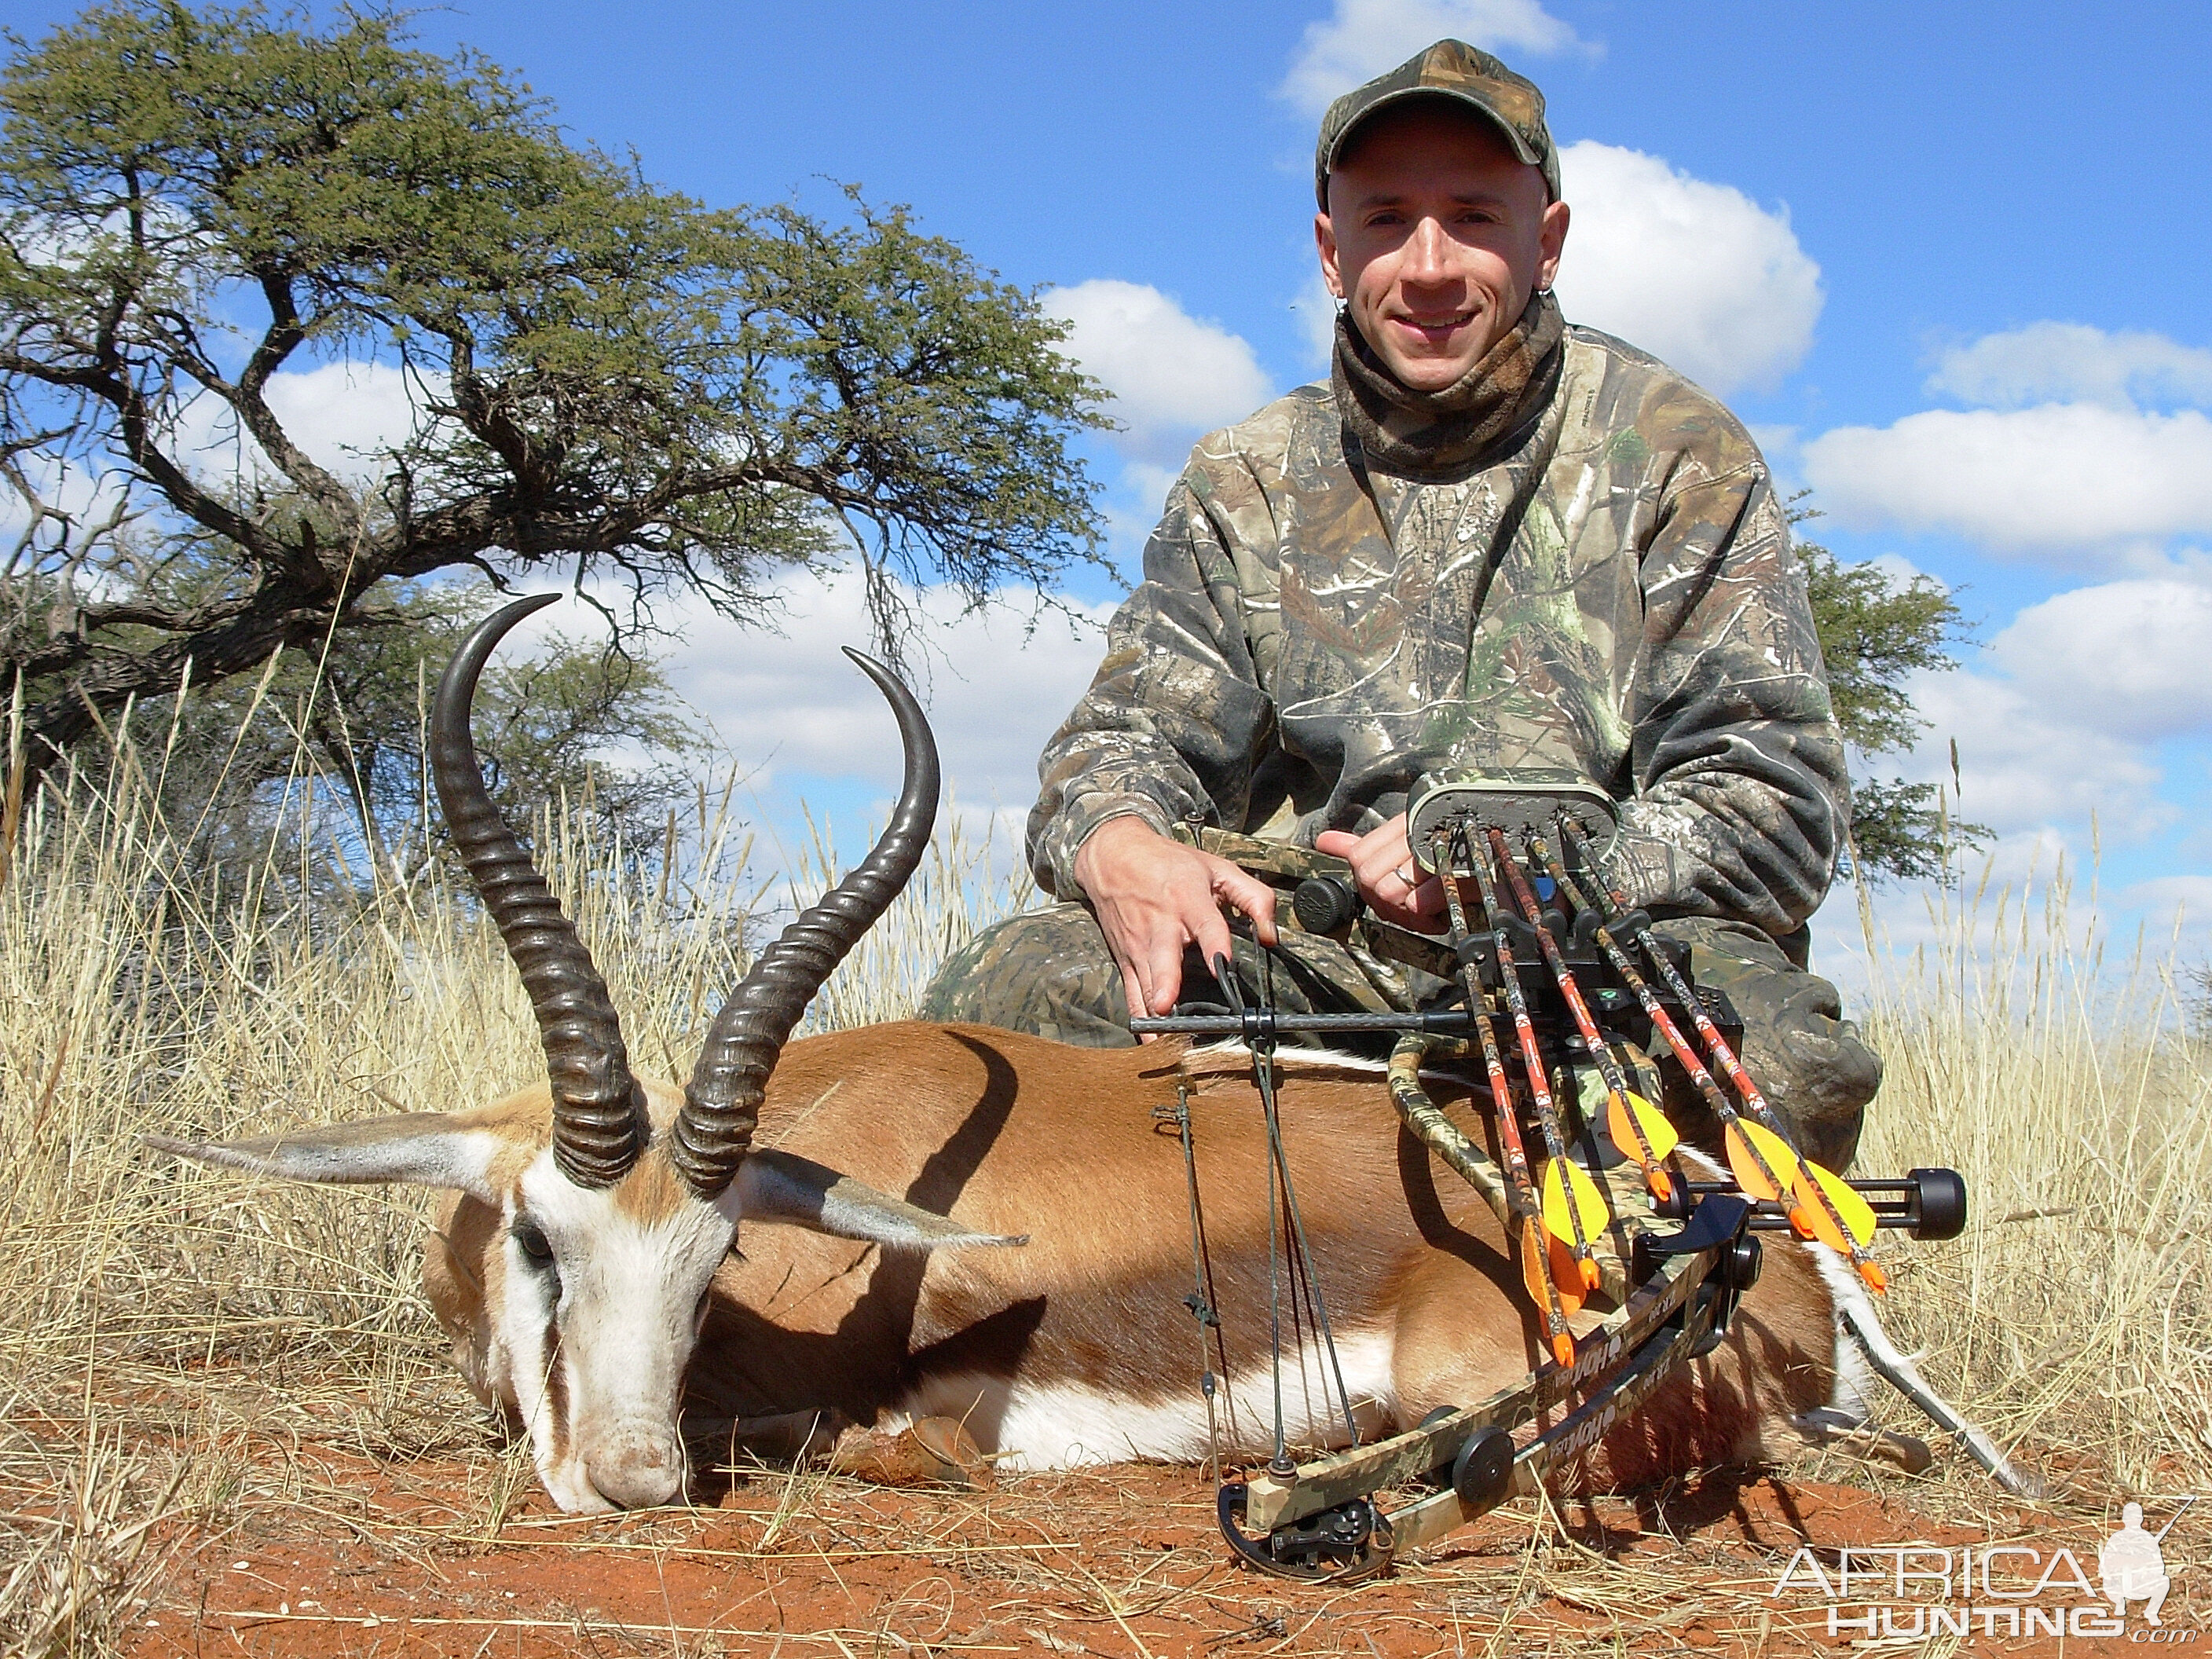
(1532, 1266)
(1856, 1215)
(1539, 1250)
(1567, 1273)
(1739, 1138)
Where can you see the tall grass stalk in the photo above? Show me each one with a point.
(2064, 1080)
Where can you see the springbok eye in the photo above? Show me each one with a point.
(531, 1238)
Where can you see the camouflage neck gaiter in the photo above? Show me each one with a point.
(1436, 436)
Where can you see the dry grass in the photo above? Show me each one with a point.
(187, 1346)
(136, 994)
(2076, 1311)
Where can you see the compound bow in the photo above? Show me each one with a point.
(1553, 972)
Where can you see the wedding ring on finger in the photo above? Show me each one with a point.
(1409, 878)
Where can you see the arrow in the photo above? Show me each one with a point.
(1524, 1029)
(1637, 1143)
(1557, 1293)
(1816, 1213)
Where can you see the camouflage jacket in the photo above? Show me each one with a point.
(1615, 595)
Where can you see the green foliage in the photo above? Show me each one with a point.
(1874, 631)
(333, 738)
(608, 381)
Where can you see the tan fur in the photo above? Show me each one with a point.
(1012, 1134)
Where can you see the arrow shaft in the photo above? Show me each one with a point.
(1647, 999)
(1525, 1199)
(1722, 1055)
(1525, 898)
(1501, 1091)
(1615, 1082)
(1524, 1029)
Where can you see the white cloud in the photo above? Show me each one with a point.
(1694, 272)
(1132, 505)
(1919, 928)
(790, 703)
(1316, 310)
(2055, 721)
(1172, 375)
(2050, 362)
(344, 416)
(2055, 726)
(2182, 903)
(2125, 658)
(2054, 479)
(1360, 39)
(2031, 756)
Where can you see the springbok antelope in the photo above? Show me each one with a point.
(586, 1266)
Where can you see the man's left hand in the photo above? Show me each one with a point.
(1395, 887)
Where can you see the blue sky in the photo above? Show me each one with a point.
(1948, 259)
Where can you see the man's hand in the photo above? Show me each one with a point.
(1155, 897)
(1392, 883)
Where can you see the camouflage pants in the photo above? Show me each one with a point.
(1048, 971)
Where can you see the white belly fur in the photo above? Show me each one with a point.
(1067, 1424)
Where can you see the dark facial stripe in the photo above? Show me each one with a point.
(556, 1389)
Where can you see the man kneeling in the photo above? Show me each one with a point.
(1490, 542)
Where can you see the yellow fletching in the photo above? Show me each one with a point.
(1625, 1117)
(1589, 1203)
(1855, 1212)
(1741, 1138)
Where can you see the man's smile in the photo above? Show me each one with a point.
(1437, 330)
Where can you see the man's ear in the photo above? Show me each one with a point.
(1553, 241)
(782, 1187)
(417, 1149)
(1325, 240)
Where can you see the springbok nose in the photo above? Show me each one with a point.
(635, 1471)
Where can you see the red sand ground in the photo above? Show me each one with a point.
(371, 1559)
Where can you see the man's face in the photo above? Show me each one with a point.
(1434, 237)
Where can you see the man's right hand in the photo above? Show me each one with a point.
(1155, 898)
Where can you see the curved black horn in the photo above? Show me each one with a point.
(722, 1102)
(600, 1123)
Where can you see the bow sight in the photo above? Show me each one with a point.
(1542, 982)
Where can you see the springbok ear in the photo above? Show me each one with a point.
(782, 1187)
(417, 1149)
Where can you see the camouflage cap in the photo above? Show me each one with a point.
(1454, 70)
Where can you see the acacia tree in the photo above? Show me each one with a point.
(1874, 632)
(335, 737)
(607, 380)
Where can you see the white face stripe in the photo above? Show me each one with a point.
(526, 1330)
(597, 1378)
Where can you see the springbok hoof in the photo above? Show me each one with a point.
(931, 1451)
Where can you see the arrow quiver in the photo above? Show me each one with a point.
(1577, 1015)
